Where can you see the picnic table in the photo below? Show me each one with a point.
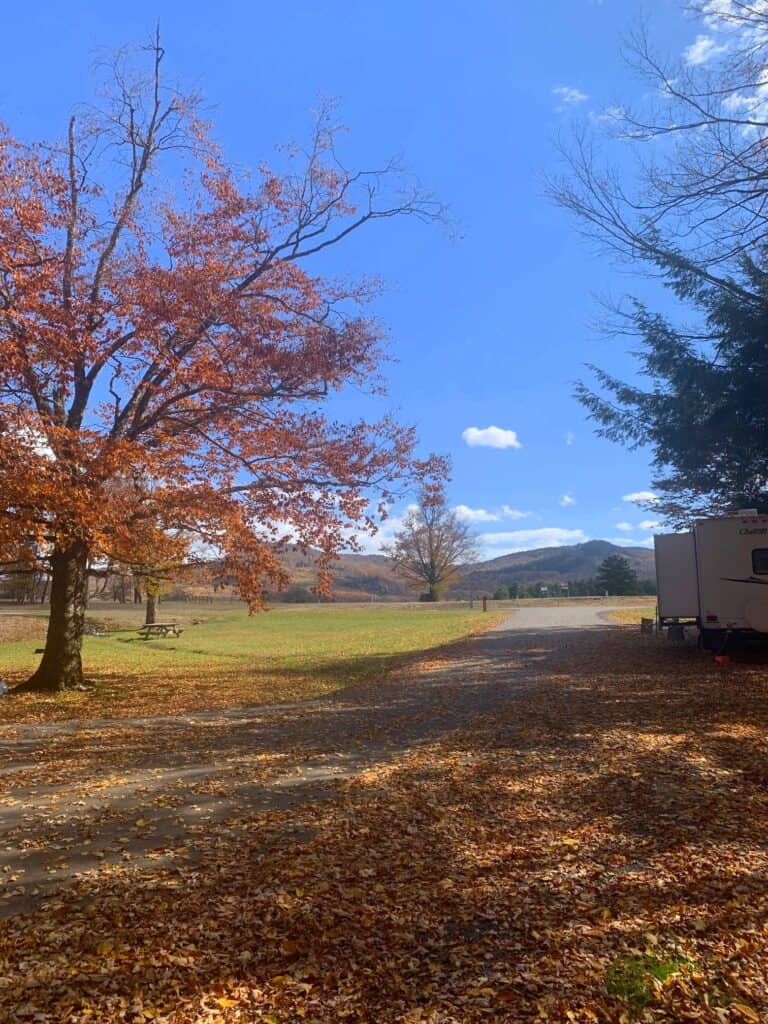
(160, 629)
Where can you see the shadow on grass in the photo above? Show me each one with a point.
(196, 685)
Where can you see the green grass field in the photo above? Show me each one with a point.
(631, 616)
(229, 658)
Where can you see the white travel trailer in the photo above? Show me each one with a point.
(716, 576)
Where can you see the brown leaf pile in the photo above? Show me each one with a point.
(537, 811)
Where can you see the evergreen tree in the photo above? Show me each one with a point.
(704, 415)
(502, 593)
(616, 576)
(689, 208)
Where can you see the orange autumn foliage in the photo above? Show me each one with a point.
(166, 352)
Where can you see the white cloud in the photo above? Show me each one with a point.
(394, 523)
(490, 437)
(567, 500)
(640, 497)
(513, 513)
(749, 106)
(720, 14)
(649, 524)
(570, 437)
(737, 102)
(476, 515)
(745, 23)
(569, 96)
(483, 515)
(624, 526)
(703, 49)
(608, 115)
(527, 540)
(372, 545)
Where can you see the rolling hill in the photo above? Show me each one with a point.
(550, 565)
(363, 577)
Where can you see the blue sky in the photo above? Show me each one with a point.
(489, 324)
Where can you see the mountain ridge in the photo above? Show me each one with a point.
(365, 577)
(551, 565)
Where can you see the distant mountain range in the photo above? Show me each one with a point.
(551, 565)
(362, 577)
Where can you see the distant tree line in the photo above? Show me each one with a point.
(23, 585)
(575, 588)
(615, 576)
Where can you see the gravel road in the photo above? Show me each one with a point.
(565, 616)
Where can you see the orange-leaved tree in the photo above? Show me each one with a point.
(165, 352)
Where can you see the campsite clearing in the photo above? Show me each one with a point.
(226, 657)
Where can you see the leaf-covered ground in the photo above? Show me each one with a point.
(553, 827)
(225, 657)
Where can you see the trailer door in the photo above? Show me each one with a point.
(676, 579)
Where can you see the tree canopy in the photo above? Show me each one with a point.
(703, 411)
(692, 214)
(431, 547)
(167, 351)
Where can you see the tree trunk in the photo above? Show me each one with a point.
(62, 667)
(149, 618)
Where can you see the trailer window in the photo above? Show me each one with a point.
(760, 561)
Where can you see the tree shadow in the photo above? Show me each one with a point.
(269, 673)
(431, 888)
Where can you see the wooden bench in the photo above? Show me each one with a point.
(159, 629)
